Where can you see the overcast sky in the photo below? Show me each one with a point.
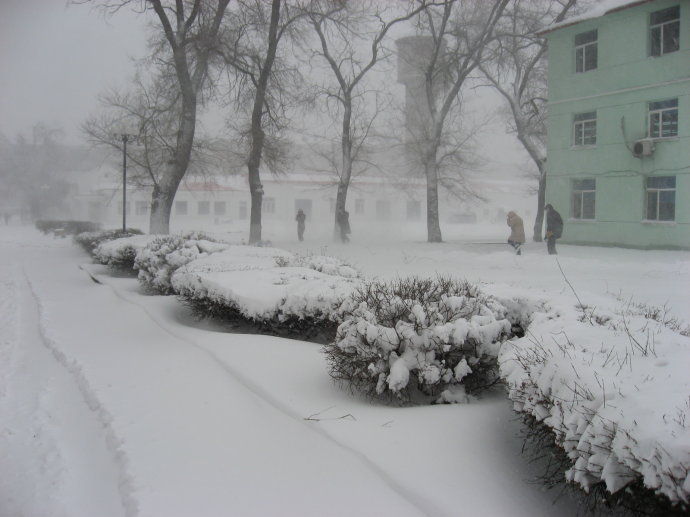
(55, 58)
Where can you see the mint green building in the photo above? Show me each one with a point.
(618, 167)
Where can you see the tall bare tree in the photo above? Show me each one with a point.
(251, 48)
(351, 35)
(184, 40)
(456, 34)
(518, 73)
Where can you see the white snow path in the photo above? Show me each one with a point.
(45, 424)
(191, 433)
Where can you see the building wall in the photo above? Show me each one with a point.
(626, 79)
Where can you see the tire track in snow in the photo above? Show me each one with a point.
(406, 492)
(113, 442)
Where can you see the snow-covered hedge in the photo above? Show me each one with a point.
(120, 253)
(89, 241)
(245, 282)
(322, 263)
(418, 336)
(613, 385)
(164, 255)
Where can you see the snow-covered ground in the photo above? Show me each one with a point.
(113, 403)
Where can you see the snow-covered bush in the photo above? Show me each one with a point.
(243, 283)
(323, 263)
(164, 255)
(613, 387)
(120, 253)
(89, 241)
(433, 337)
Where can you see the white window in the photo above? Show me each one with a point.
(585, 129)
(180, 208)
(664, 31)
(268, 205)
(141, 207)
(663, 118)
(661, 198)
(204, 207)
(219, 208)
(414, 210)
(586, 52)
(359, 206)
(383, 210)
(583, 199)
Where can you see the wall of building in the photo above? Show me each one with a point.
(626, 79)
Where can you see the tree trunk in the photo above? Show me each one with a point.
(258, 136)
(161, 206)
(433, 226)
(541, 201)
(346, 173)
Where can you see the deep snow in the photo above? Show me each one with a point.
(115, 403)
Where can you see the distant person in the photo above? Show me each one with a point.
(344, 224)
(517, 231)
(554, 228)
(300, 218)
(6, 216)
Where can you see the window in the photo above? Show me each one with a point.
(332, 204)
(383, 210)
(585, 129)
(414, 210)
(204, 207)
(219, 208)
(663, 118)
(180, 208)
(661, 198)
(584, 193)
(359, 206)
(243, 210)
(141, 207)
(664, 31)
(119, 208)
(586, 54)
(268, 205)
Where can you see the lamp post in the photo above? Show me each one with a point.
(124, 137)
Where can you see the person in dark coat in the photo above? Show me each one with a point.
(554, 228)
(517, 231)
(300, 218)
(344, 224)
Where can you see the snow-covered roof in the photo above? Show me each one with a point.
(597, 10)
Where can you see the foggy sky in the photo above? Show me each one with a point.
(55, 58)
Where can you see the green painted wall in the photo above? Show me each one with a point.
(619, 90)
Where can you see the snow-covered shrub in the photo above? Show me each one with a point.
(120, 253)
(244, 284)
(612, 385)
(164, 255)
(89, 241)
(323, 263)
(429, 336)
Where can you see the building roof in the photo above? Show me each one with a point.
(597, 10)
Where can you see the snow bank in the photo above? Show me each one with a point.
(120, 253)
(249, 281)
(614, 387)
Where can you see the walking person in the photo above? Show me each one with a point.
(301, 217)
(344, 224)
(554, 228)
(517, 231)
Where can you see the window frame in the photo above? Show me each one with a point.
(141, 207)
(581, 190)
(579, 128)
(216, 208)
(181, 208)
(268, 205)
(662, 27)
(662, 111)
(657, 191)
(203, 207)
(583, 52)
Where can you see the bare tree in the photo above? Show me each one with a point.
(518, 73)
(343, 28)
(185, 41)
(455, 36)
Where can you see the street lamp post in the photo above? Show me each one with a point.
(125, 137)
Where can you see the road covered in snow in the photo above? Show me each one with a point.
(113, 403)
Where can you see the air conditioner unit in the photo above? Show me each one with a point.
(643, 148)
